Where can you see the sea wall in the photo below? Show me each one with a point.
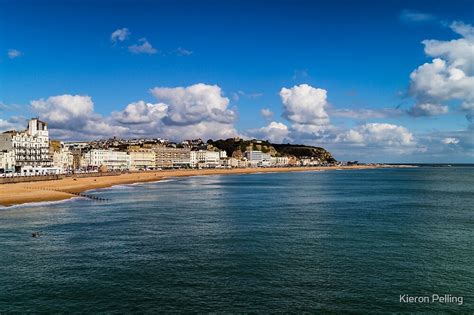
(82, 175)
(40, 178)
(23, 179)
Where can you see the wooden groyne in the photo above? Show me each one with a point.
(78, 194)
(92, 197)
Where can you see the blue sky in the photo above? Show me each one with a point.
(360, 52)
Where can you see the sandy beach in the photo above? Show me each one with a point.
(54, 190)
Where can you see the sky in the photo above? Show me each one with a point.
(374, 81)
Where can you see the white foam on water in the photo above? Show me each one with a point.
(40, 203)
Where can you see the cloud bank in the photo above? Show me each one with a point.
(199, 110)
(448, 77)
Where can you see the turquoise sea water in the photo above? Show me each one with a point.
(336, 241)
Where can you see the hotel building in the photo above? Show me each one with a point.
(112, 160)
(30, 147)
(207, 159)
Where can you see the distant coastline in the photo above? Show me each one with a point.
(67, 188)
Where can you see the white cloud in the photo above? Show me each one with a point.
(183, 52)
(141, 113)
(6, 107)
(199, 110)
(456, 53)
(120, 35)
(13, 53)
(448, 146)
(416, 16)
(305, 107)
(195, 103)
(64, 109)
(12, 123)
(144, 47)
(467, 106)
(304, 104)
(5, 125)
(450, 75)
(266, 113)
(378, 135)
(304, 131)
(362, 114)
(463, 29)
(427, 109)
(275, 132)
(237, 95)
(450, 140)
(203, 129)
(74, 116)
(437, 82)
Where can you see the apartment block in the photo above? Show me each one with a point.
(168, 157)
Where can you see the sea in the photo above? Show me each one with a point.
(343, 241)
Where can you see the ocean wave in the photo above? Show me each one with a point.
(154, 182)
(41, 203)
(115, 187)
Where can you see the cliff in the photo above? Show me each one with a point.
(234, 146)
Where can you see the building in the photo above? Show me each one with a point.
(168, 157)
(258, 158)
(310, 161)
(234, 163)
(112, 160)
(281, 161)
(63, 158)
(76, 149)
(38, 171)
(7, 162)
(293, 161)
(142, 159)
(195, 157)
(206, 159)
(30, 147)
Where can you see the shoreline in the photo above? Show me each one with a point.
(12, 194)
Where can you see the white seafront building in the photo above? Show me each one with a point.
(7, 162)
(30, 147)
(207, 159)
(279, 161)
(112, 160)
(258, 158)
